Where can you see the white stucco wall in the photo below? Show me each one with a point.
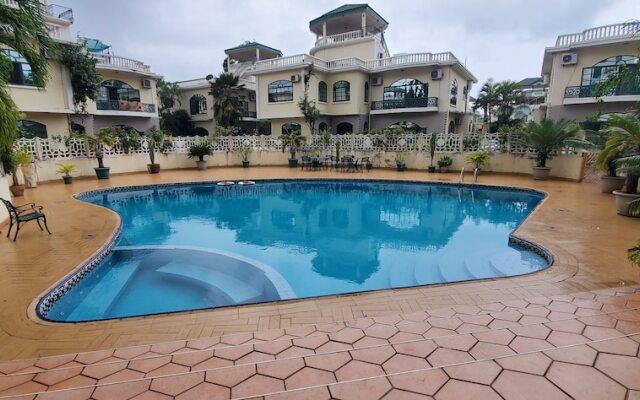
(5, 194)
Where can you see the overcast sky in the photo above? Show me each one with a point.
(185, 39)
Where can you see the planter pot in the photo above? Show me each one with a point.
(245, 164)
(541, 173)
(102, 173)
(153, 168)
(401, 167)
(431, 168)
(202, 165)
(610, 183)
(17, 190)
(67, 180)
(30, 175)
(293, 163)
(444, 169)
(623, 200)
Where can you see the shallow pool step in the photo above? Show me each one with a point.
(508, 263)
(452, 269)
(236, 289)
(427, 272)
(402, 274)
(477, 265)
(107, 291)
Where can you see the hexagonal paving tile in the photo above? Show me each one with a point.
(403, 363)
(533, 363)
(582, 382)
(483, 372)
(520, 386)
(623, 369)
(426, 382)
(357, 369)
(456, 390)
(307, 377)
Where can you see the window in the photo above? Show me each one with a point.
(344, 128)
(365, 128)
(453, 100)
(200, 131)
(322, 127)
(341, 91)
(322, 92)
(32, 129)
(20, 70)
(280, 91)
(114, 90)
(452, 127)
(291, 128)
(601, 71)
(75, 127)
(198, 104)
(366, 92)
(405, 93)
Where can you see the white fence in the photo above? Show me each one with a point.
(54, 149)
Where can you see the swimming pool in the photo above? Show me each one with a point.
(193, 246)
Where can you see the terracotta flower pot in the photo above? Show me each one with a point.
(153, 168)
(610, 183)
(17, 190)
(541, 173)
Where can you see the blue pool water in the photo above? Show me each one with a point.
(187, 247)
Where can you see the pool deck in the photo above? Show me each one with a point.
(576, 223)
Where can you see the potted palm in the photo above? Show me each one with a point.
(611, 181)
(633, 254)
(401, 164)
(11, 162)
(157, 141)
(244, 150)
(545, 138)
(444, 163)
(200, 151)
(294, 141)
(624, 142)
(65, 169)
(478, 159)
(432, 152)
(105, 137)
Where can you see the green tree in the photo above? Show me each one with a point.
(85, 79)
(168, 94)
(547, 136)
(509, 94)
(487, 100)
(308, 107)
(177, 123)
(623, 144)
(225, 89)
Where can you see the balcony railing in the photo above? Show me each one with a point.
(124, 105)
(339, 38)
(575, 92)
(10, 3)
(60, 12)
(249, 114)
(624, 30)
(414, 58)
(414, 102)
(121, 62)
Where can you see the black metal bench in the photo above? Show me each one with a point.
(19, 215)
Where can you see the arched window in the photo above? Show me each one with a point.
(452, 127)
(291, 127)
(125, 128)
(114, 90)
(280, 91)
(453, 100)
(601, 71)
(407, 126)
(20, 73)
(75, 127)
(322, 127)
(32, 129)
(200, 131)
(405, 93)
(344, 128)
(366, 92)
(365, 128)
(198, 104)
(341, 91)
(322, 91)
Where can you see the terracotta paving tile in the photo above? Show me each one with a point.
(149, 364)
(8, 382)
(317, 393)
(634, 395)
(233, 353)
(533, 363)
(366, 389)
(55, 361)
(257, 384)
(74, 382)
(120, 390)
(347, 335)
(391, 319)
(493, 307)
(483, 372)
(604, 320)
(236, 339)
(281, 369)
(368, 342)
(447, 357)
(520, 303)
(307, 377)
(396, 394)
(628, 327)
(501, 324)
(255, 357)
(203, 343)
(381, 331)
(519, 386)
(273, 347)
(229, 377)
(426, 382)
(404, 363)
(483, 320)
(402, 337)
(530, 320)
(456, 390)
(414, 327)
(272, 334)
(437, 332)
(623, 369)
(174, 385)
(192, 358)
(328, 362)
(207, 391)
(213, 362)
(576, 355)
(483, 350)
(599, 333)
(418, 316)
(586, 383)
(101, 371)
(8, 367)
(168, 369)
(460, 342)
(533, 331)
(450, 324)
(622, 346)
(128, 353)
(169, 347)
(328, 347)
(420, 349)
(93, 356)
(535, 312)
(559, 316)
(375, 355)
(470, 328)
(569, 325)
(501, 336)
(152, 396)
(441, 313)
(52, 377)
(295, 351)
(559, 339)
(312, 342)
(122, 376)
(357, 369)
(523, 344)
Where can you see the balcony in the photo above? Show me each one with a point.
(58, 12)
(586, 94)
(249, 114)
(126, 106)
(121, 63)
(415, 104)
(625, 30)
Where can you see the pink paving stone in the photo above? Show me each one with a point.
(229, 377)
(402, 337)
(533, 363)
(233, 353)
(560, 339)
(425, 382)
(575, 355)
(484, 319)
(450, 324)
(101, 371)
(52, 377)
(419, 349)
(418, 316)
(519, 303)
(361, 323)
(74, 382)
(535, 312)
(623, 369)
(10, 381)
(501, 324)
(10, 367)
(569, 325)
(441, 313)
(502, 336)
(328, 362)
(257, 384)
(468, 310)
(582, 382)
(530, 320)
(169, 369)
(213, 362)
(471, 328)
(442, 357)
(507, 315)
(365, 389)
(404, 363)
(369, 341)
(93, 356)
(414, 327)
(281, 369)
(494, 307)
(311, 342)
(169, 347)
(129, 353)
(27, 387)
(523, 344)
(634, 395)
(174, 385)
(308, 377)
(55, 361)
(605, 321)
(237, 338)
(295, 351)
(396, 394)
(122, 376)
(347, 335)
(599, 333)
(203, 343)
(331, 347)
(558, 316)
(562, 307)
(628, 327)
(483, 372)
(518, 386)
(119, 391)
(152, 396)
(484, 350)
(586, 312)
(591, 304)
(357, 369)
(317, 393)
(273, 347)
(375, 355)
(460, 342)
(75, 394)
(456, 390)
(392, 319)
(255, 357)
(207, 391)
(533, 331)
(192, 358)
(438, 332)
(541, 301)
(301, 331)
(329, 327)
(381, 331)
(269, 335)
(149, 364)
(622, 346)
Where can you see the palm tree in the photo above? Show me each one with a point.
(225, 89)
(168, 93)
(624, 144)
(294, 141)
(508, 94)
(547, 136)
(23, 30)
(487, 99)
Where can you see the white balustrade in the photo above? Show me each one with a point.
(124, 62)
(624, 30)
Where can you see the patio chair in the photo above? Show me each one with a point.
(363, 163)
(306, 162)
(19, 215)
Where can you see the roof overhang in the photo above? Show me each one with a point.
(247, 52)
(348, 18)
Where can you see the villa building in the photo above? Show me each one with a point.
(127, 96)
(578, 62)
(533, 107)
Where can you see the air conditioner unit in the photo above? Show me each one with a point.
(252, 96)
(436, 74)
(376, 81)
(569, 59)
(295, 78)
(146, 83)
